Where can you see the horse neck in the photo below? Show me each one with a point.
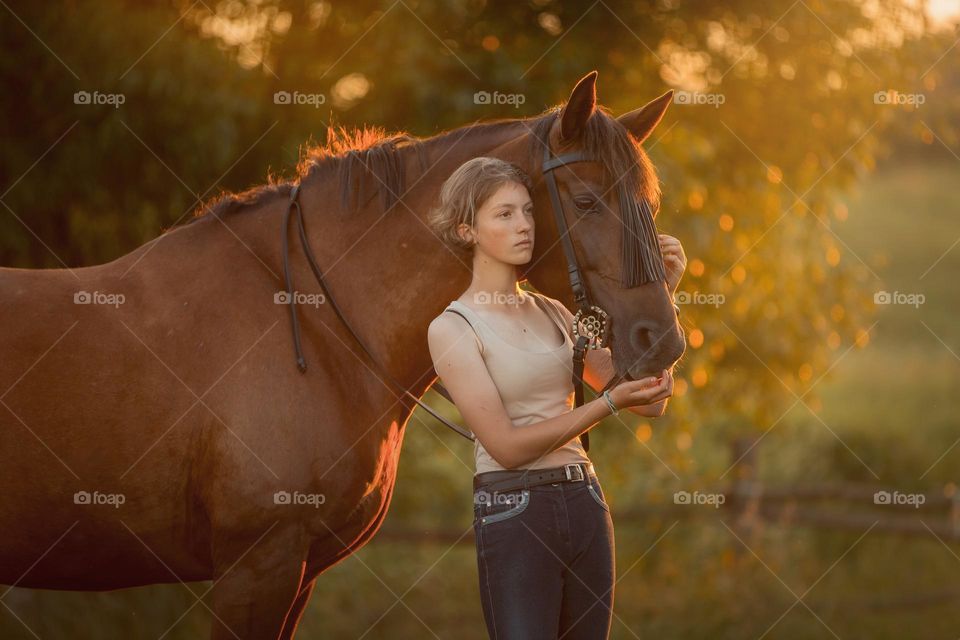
(389, 274)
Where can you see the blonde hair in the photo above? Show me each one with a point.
(465, 191)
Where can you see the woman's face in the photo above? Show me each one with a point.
(505, 228)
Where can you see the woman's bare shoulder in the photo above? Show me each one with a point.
(556, 303)
(452, 326)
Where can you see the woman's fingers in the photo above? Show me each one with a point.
(651, 392)
(664, 388)
(671, 248)
(647, 390)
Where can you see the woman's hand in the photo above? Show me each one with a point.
(674, 260)
(649, 395)
(654, 410)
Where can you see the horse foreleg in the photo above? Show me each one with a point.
(256, 588)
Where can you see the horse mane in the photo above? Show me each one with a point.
(353, 154)
(369, 160)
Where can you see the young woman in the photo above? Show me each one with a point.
(544, 535)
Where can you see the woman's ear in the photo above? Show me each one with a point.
(466, 233)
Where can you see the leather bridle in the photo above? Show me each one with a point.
(591, 323)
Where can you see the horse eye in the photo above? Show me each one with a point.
(585, 203)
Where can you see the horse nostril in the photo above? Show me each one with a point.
(657, 343)
(641, 338)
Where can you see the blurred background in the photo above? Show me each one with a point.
(803, 481)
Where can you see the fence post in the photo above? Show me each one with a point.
(744, 497)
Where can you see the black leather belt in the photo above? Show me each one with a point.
(513, 479)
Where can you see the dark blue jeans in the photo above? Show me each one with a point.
(545, 556)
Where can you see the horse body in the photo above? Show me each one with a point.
(181, 400)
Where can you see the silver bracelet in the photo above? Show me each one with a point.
(613, 408)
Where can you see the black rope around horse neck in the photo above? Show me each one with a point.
(291, 294)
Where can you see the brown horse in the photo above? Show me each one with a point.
(154, 425)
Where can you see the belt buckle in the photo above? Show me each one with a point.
(573, 477)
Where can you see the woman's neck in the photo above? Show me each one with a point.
(494, 284)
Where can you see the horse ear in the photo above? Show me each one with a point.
(641, 122)
(579, 108)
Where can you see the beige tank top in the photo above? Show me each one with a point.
(533, 385)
